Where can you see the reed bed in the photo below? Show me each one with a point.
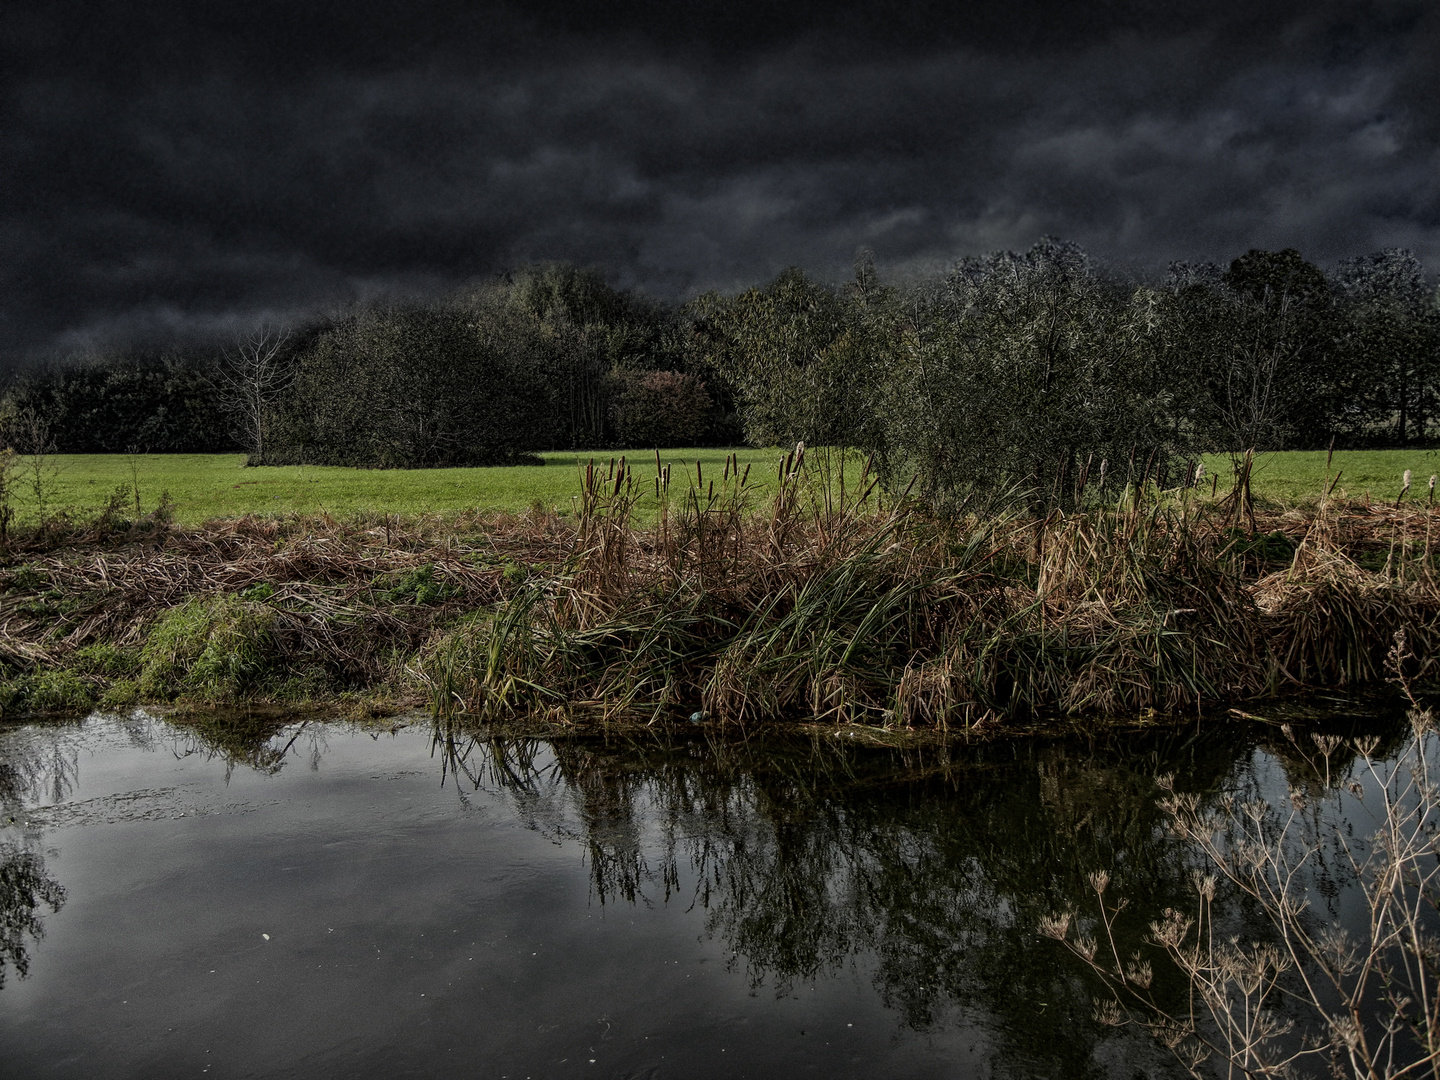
(819, 603)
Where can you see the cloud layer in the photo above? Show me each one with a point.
(185, 170)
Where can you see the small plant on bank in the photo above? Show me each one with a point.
(420, 587)
(219, 649)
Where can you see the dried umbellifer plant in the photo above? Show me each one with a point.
(1316, 997)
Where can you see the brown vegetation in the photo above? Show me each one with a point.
(825, 604)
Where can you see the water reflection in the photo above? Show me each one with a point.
(25, 889)
(923, 871)
(928, 868)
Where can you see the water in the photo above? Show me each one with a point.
(320, 900)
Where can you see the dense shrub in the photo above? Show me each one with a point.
(660, 408)
(800, 360)
(420, 386)
(110, 405)
(1032, 374)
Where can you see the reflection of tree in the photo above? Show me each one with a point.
(933, 865)
(37, 765)
(24, 887)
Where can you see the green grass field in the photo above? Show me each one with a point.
(1300, 475)
(206, 487)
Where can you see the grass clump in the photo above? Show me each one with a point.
(106, 660)
(219, 648)
(52, 690)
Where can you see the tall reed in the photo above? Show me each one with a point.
(841, 605)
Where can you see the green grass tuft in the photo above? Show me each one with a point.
(219, 649)
(53, 690)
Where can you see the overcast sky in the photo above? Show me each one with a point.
(182, 167)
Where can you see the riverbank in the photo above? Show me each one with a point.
(816, 606)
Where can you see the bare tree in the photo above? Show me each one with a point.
(253, 373)
(26, 434)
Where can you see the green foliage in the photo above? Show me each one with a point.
(59, 691)
(105, 660)
(419, 586)
(23, 579)
(1028, 373)
(219, 648)
(801, 361)
(110, 404)
(660, 409)
(50, 690)
(120, 695)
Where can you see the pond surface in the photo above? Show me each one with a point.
(319, 900)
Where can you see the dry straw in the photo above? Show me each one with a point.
(825, 600)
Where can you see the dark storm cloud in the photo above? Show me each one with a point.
(177, 171)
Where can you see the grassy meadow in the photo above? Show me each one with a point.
(213, 487)
(1299, 476)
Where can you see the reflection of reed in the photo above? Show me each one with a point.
(927, 869)
(259, 740)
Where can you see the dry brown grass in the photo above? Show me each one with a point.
(839, 607)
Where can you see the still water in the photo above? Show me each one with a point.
(322, 900)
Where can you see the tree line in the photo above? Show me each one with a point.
(1029, 368)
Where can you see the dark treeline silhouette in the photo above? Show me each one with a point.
(1031, 370)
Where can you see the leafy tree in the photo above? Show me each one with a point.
(803, 361)
(1028, 371)
(1390, 341)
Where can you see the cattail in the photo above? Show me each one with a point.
(1199, 473)
(1432, 489)
(1404, 486)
